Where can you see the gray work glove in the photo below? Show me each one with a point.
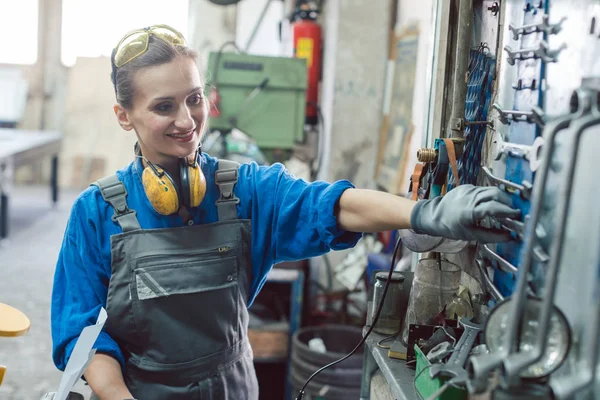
(457, 214)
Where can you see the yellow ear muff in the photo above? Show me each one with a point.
(197, 185)
(160, 190)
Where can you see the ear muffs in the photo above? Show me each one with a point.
(193, 183)
(163, 193)
(160, 189)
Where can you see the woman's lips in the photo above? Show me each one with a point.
(182, 137)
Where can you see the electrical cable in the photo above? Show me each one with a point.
(415, 381)
(385, 339)
(373, 323)
(441, 390)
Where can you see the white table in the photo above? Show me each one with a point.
(21, 147)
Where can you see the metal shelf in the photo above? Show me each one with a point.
(399, 377)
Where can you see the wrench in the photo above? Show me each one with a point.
(524, 188)
(454, 368)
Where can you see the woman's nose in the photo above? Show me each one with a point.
(184, 119)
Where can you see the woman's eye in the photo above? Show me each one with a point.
(163, 107)
(195, 99)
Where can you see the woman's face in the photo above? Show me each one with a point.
(168, 112)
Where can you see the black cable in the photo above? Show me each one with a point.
(373, 323)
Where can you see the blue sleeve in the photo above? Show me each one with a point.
(80, 286)
(291, 219)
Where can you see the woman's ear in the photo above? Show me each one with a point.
(123, 117)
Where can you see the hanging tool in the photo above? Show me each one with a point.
(542, 52)
(524, 188)
(507, 116)
(517, 361)
(481, 367)
(454, 368)
(544, 26)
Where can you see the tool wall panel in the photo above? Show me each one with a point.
(568, 60)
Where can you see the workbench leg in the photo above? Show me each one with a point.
(369, 368)
(3, 215)
(54, 179)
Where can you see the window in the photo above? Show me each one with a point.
(19, 32)
(91, 28)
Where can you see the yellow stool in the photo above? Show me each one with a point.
(12, 323)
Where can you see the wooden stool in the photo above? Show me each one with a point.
(12, 323)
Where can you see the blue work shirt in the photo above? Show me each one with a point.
(291, 220)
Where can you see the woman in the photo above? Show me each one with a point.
(176, 258)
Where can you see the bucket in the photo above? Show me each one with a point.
(343, 380)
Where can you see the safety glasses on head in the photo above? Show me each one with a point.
(135, 43)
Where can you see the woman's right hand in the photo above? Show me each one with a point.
(457, 215)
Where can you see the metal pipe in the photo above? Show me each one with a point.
(518, 361)
(459, 85)
(484, 364)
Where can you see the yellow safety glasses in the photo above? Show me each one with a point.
(135, 43)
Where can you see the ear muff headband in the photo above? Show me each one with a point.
(184, 177)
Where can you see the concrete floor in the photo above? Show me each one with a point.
(27, 262)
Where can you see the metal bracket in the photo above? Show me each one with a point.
(524, 189)
(544, 26)
(519, 85)
(506, 116)
(542, 52)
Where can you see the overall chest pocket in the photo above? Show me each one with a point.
(185, 307)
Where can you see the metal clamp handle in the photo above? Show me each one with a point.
(544, 26)
(506, 116)
(542, 52)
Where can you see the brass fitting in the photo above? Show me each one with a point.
(426, 155)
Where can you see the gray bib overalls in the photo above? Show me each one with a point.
(177, 301)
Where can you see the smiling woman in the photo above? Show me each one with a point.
(177, 244)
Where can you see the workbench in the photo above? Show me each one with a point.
(22, 147)
(398, 378)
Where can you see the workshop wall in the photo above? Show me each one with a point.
(356, 49)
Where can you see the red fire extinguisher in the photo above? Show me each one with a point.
(306, 33)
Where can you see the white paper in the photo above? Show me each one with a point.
(80, 357)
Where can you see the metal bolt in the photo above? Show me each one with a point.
(495, 8)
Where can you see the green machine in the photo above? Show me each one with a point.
(264, 97)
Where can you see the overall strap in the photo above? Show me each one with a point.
(226, 177)
(114, 193)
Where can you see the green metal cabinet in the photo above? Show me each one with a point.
(274, 115)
